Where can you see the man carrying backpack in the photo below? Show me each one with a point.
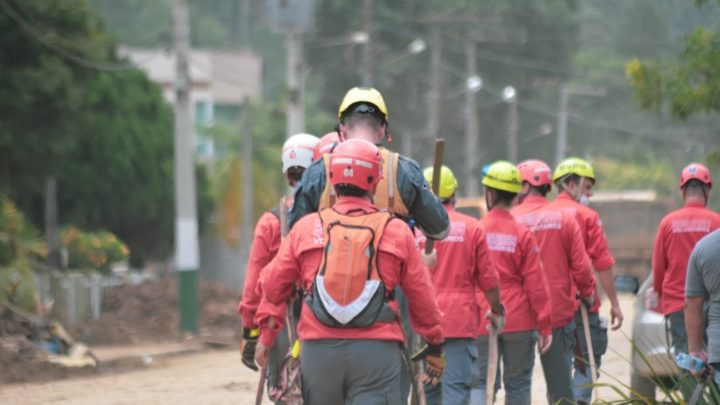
(402, 190)
(463, 268)
(348, 260)
(297, 154)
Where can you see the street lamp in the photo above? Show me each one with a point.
(359, 37)
(417, 46)
(509, 93)
(474, 83)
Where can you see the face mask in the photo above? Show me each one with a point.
(584, 200)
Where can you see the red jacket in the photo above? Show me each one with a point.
(523, 287)
(676, 237)
(265, 245)
(562, 252)
(399, 263)
(596, 243)
(463, 268)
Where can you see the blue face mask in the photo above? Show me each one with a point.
(584, 200)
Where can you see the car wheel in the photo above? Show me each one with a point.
(641, 387)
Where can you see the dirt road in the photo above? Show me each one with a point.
(218, 377)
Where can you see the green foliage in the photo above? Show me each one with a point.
(101, 128)
(118, 173)
(93, 250)
(20, 246)
(688, 85)
(618, 175)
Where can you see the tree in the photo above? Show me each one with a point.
(20, 245)
(687, 85)
(69, 108)
(118, 172)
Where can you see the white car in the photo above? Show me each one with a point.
(653, 358)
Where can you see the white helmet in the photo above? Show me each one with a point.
(298, 151)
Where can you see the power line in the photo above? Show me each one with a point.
(30, 30)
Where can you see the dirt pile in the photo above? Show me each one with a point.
(149, 313)
(21, 356)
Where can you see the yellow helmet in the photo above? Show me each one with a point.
(363, 94)
(573, 165)
(502, 175)
(448, 182)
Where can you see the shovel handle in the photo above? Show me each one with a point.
(437, 166)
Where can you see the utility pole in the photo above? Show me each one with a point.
(566, 90)
(186, 226)
(296, 85)
(367, 15)
(433, 97)
(52, 236)
(510, 97)
(473, 85)
(247, 186)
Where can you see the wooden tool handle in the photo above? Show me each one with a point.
(437, 166)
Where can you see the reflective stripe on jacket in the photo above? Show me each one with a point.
(415, 195)
(399, 264)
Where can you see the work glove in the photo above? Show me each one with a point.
(430, 259)
(247, 347)
(587, 301)
(496, 321)
(434, 362)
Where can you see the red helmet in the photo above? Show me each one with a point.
(356, 162)
(535, 172)
(327, 143)
(695, 171)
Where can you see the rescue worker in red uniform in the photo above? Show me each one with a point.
(297, 155)
(349, 326)
(402, 191)
(463, 268)
(575, 179)
(567, 269)
(525, 293)
(677, 235)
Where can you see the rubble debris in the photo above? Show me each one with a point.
(148, 313)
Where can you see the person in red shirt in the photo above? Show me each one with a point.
(525, 293)
(297, 155)
(677, 235)
(575, 179)
(567, 268)
(463, 268)
(344, 361)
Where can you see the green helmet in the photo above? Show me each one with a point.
(577, 166)
(503, 175)
(448, 182)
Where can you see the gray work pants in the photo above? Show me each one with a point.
(351, 372)
(557, 365)
(516, 357)
(582, 382)
(462, 373)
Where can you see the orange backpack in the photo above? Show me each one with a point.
(347, 291)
